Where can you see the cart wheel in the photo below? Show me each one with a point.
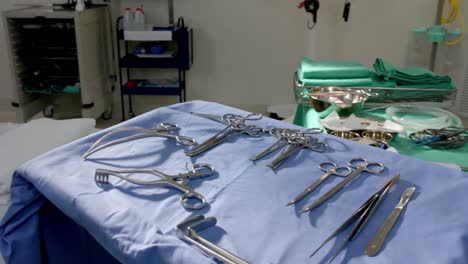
(48, 111)
(107, 115)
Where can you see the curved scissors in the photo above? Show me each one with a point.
(178, 182)
(161, 130)
(361, 165)
(330, 168)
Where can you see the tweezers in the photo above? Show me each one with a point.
(363, 214)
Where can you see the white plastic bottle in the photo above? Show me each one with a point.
(80, 5)
(129, 19)
(139, 19)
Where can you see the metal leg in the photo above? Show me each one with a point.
(122, 102)
(130, 106)
(185, 88)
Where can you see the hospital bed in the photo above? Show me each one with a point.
(22, 142)
(60, 214)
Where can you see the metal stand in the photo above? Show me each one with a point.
(435, 44)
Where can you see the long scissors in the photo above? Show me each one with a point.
(363, 214)
(161, 130)
(178, 182)
(235, 126)
(330, 168)
(361, 165)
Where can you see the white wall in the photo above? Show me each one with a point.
(246, 50)
(374, 29)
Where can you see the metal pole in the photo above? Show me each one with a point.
(171, 12)
(435, 44)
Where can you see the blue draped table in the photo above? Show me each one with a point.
(59, 214)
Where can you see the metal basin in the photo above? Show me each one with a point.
(344, 101)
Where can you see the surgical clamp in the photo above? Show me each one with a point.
(187, 231)
(330, 168)
(161, 130)
(235, 126)
(178, 182)
(283, 134)
(361, 165)
(363, 214)
(295, 145)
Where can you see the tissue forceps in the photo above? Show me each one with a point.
(361, 165)
(363, 214)
(235, 126)
(178, 182)
(161, 130)
(330, 168)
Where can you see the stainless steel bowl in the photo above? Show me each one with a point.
(344, 101)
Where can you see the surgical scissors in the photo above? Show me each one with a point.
(363, 214)
(178, 182)
(330, 168)
(161, 130)
(235, 126)
(361, 165)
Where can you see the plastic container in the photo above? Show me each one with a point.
(417, 118)
(418, 48)
(129, 19)
(139, 19)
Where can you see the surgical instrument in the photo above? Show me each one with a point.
(362, 215)
(445, 138)
(235, 126)
(379, 237)
(161, 130)
(187, 231)
(330, 168)
(361, 165)
(178, 182)
(295, 146)
(285, 136)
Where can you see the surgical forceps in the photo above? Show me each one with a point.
(187, 231)
(283, 134)
(161, 130)
(330, 168)
(178, 182)
(235, 126)
(363, 214)
(361, 165)
(296, 144)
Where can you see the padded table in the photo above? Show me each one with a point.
(58, 214)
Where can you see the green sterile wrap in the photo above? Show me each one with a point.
(411, 77)
(309, 69)
(338, 82)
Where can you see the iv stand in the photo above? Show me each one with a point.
(435, 44)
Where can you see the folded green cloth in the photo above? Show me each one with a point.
(309, 69)
(337, 82)
(411, 77)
